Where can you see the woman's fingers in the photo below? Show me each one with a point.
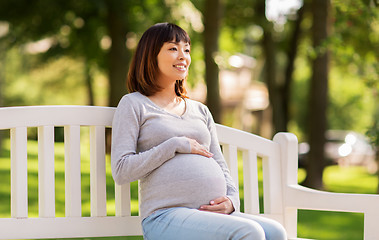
(218, 200)
(197, 148)
(219, 205)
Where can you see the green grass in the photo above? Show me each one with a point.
(337, 225)
(311, 224)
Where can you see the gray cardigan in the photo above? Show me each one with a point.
(149, 144)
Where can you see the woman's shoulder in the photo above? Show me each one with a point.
(198, 106)
(195, 102)
(131, 100)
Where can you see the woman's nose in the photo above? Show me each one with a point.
(181, 55)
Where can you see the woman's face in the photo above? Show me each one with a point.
(174, 60)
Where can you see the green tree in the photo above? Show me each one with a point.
(74, 28)
(119, 56)
(270, 47)
(318, 96)
(1, 86)
(292, 54)
(212, 18)
(356, 38)
(78, 29)
(373, 134)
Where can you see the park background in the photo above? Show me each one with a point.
(261, 66)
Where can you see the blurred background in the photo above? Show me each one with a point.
(260, 66)
(303, 66)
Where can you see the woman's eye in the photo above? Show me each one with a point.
(173, 49)
(187, 50)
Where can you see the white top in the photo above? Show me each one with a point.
(149, 144)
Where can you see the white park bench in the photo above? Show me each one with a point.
(282, 195)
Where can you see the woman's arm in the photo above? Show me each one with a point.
(232, 191)
(128, 165)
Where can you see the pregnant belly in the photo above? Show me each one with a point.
(187, 180)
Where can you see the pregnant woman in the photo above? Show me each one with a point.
(169, 143)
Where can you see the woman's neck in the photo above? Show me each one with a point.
(166, 96)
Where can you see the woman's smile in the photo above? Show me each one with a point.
(180, 67)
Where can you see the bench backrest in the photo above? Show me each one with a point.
(254, 149)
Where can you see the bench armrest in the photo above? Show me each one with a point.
(305, 198)
(299, 197)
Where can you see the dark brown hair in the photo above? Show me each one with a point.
(143, 69)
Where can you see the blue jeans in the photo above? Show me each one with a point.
(185, 223)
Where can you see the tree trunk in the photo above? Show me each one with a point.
(270, 70)
(212, 17)
(275, 93)
(119, 56)
(2, 74)
(88, 82)
(1, 104)
(291, 56)
(373, 134)
(318, 96)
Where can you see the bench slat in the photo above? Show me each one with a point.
(371, 230)
(250, 176)
(98, 174)
(245, 140)
(272, 175)
(69, 227)
(46, 172)
(72, 171)
(19, 173)
(122, 200)
(34, 116)
(231, 157)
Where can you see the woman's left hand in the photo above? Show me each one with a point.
(219, 205)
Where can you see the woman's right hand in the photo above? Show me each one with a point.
(197, 148)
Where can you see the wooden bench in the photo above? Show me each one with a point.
(282, 194)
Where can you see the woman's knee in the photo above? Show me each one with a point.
(276, 232)
(249, 230)
(272, 230)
